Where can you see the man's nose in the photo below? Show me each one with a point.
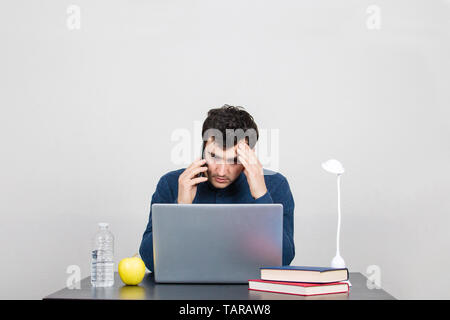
(221, 170)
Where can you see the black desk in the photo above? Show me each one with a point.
(149, 290)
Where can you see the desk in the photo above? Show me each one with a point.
(149, 290)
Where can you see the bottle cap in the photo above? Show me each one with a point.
(103, 224)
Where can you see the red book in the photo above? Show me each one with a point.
(297, 288)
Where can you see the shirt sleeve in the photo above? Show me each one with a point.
(161, 195)
(282, 194)
(266, 198)
(287, 200)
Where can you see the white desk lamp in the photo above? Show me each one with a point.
(334, 166)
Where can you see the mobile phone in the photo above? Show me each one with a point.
(202, 174)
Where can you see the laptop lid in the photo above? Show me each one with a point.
(215, 243)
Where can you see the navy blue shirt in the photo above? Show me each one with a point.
(238, 191)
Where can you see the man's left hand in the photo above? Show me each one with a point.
(253, 170)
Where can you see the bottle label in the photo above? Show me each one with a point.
(94, 254)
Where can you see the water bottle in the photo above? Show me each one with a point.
(102, 258)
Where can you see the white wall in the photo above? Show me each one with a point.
(87, 115)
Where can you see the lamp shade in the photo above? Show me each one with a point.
(333, 166)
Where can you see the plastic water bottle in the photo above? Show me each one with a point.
(102, 258)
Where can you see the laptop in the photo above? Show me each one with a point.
(215, 243)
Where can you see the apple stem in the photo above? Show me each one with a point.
(135, 255)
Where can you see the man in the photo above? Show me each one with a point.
(229, 173)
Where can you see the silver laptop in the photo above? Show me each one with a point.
(215, 243)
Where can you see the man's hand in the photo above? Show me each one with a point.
(188, 180)
(253, 170)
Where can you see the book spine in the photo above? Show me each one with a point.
(297, 294)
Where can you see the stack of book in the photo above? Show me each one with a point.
(304, 281)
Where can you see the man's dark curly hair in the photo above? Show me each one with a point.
(234, 124)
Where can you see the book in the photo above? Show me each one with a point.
(297, 288)
(304, 274)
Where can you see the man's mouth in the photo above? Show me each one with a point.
(221, 180)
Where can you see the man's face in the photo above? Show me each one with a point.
(223, 167)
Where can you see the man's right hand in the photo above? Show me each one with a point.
(188, 180)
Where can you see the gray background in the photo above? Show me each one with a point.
(87, 117)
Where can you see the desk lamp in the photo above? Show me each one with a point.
(335, 167)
